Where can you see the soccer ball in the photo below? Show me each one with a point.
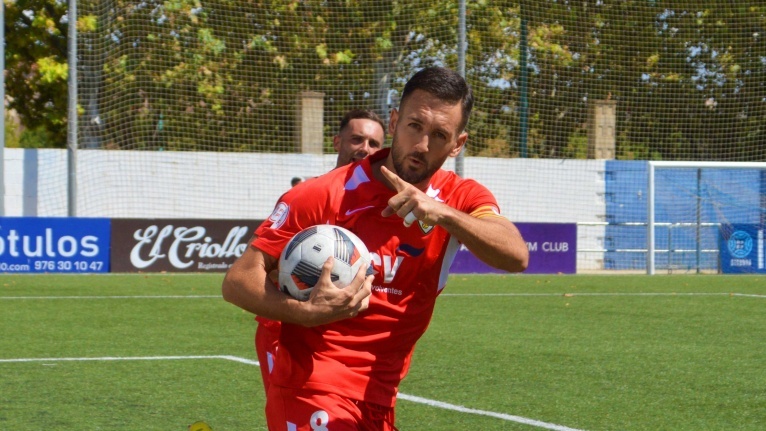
(300, 263)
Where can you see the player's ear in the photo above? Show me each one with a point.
(392, 120)
(336, 143)
(461, 140)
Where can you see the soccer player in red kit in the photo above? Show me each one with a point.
(344, 352)
(361, 133)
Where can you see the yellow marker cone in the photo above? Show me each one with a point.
(200, 426)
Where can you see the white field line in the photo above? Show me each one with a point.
(503, 416)
(749, 295)
(114, 358)
(402, 396)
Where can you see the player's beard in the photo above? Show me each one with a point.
(412, 177)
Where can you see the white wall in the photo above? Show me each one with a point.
(550, 191)
(140, 184)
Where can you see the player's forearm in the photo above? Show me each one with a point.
(252, 292)
(247, 286)
(494, 240)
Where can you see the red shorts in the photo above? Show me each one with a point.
(266, 342)
(303, 410)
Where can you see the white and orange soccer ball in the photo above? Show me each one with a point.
(300, 263)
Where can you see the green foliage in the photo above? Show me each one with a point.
(39, 137)
(226, 76)
(36, 68)
(577, 148)
(12, 133)
(16, 136)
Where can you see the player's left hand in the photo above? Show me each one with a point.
(327, 303)
(409, 202)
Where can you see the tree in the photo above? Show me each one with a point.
(36, 67)
(224, 75)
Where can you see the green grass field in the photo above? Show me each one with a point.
(160, 351)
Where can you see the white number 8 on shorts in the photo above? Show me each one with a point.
(318, 422)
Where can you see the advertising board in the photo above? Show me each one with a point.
(178, 245)
(552, 250)
(92, 245)
(741, 249)
(42, 244)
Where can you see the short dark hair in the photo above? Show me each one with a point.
(445, 84)
(361, 114)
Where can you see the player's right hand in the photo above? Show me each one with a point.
(327, 303)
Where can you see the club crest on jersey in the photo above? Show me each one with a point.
(426, 228)
(279, 215)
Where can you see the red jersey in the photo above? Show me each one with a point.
(367, 356)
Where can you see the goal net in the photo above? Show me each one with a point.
(194, 109)
(682, 217)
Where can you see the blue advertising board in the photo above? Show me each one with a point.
(40, 244)
(552, 250)
(742, 249)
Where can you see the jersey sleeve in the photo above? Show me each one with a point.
(478, 201)
(303, 206)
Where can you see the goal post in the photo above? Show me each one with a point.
(732, 192)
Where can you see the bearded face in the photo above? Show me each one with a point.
(412, 167)
(424, 134)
